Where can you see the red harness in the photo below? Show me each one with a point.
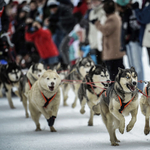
(48, 100)
(30, 85)
(98, 95)
(122, 105)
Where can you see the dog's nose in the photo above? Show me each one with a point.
(52, 83)
(16, 77)
(134, 83)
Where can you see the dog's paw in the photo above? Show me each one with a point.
(27, 115)
(114, 144)
(82, 111)
(53, 129)
(146, 131)
(38, 129)
(12, 107)
(90, 123)
(73, 105)
(65, 104)
(121, 130)
(129, 127)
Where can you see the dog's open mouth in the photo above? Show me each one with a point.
(131, 87)
(51, 88)
(105, 84)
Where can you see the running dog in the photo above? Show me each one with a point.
(10, 76)
(26, 82)
(77, 73)
(98, 79)
(119, 100)
(44, 98)
(145, 107)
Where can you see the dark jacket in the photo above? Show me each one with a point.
(143, 16)
(63, 19)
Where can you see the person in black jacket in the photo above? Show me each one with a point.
(61, 21)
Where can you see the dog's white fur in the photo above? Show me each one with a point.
(112, 118)
(145, 109)
(32, 76)
(36, 100)
(92, 97)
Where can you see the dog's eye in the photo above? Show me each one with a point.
(40, 70)
(127, 77)
(54, 78)
(102, 76)
(47, 78)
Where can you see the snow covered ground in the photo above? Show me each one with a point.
(17, 132)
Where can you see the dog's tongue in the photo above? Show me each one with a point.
(132, 87)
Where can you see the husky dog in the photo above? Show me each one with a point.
(99, 78)
(120, 99)
(78, 72)
(44, 98)
(145, 107)
(26, 82)
(10, 75)
(62, 69)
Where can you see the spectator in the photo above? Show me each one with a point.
(111, 30)
(80, 10)
(42, 39)
(95, 36)
(143, 17)
(33, 10)
(61, 21)
(133, 27)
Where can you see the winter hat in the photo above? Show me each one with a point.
(2, 4)
(123, 2)
(52, 3)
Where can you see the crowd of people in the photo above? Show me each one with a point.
(52, 31)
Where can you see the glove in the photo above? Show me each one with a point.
(135, 5)
(51, 121)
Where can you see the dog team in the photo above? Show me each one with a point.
(91, 85)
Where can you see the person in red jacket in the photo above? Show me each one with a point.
(42, 38)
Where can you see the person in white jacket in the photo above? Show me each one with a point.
(95, 36)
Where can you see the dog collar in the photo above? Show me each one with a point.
(48, 100)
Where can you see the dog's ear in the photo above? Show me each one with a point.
(132, 68)
(92, 69)
(33, 68)
(58, 66)
(78, 60)
(118, 75)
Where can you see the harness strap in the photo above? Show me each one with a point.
(30, 85)
(124, 105)
(105, 94)
(48, 100)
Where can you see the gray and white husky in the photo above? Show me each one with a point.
(100, 79)
(120, 100)
(77, 73)
(34, 73)
(10, 76)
